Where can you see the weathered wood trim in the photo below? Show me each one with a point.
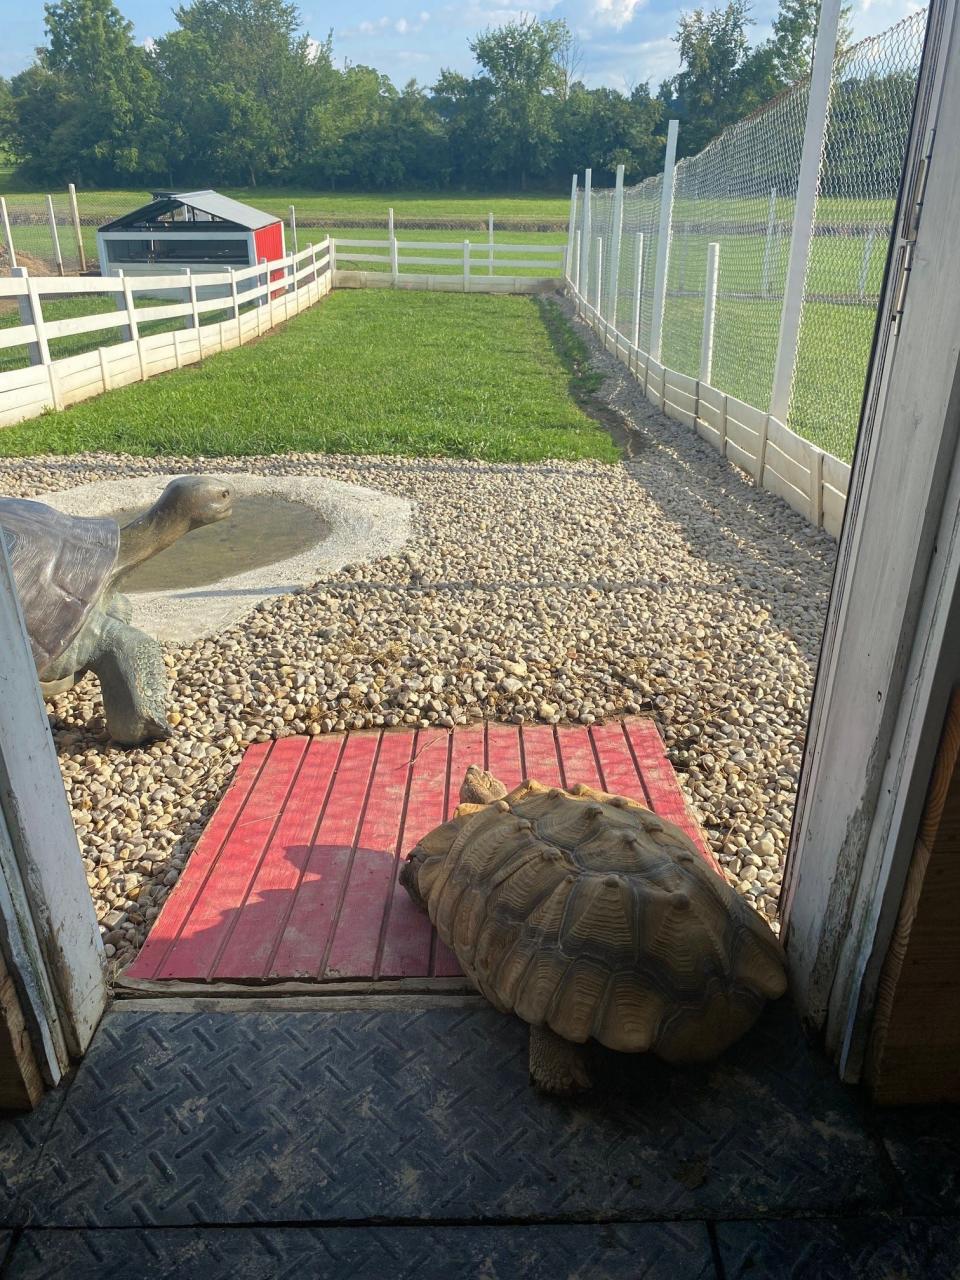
(152, 988)
(21, 1083)
(47, 866)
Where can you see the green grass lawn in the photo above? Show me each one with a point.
(472, 376)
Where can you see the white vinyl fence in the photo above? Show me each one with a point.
(471, 266)
(252, 301)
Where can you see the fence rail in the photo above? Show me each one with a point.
(470, 266)
(255, 299)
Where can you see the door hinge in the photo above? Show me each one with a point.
(912, 213)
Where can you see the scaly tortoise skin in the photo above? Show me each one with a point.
(589, 916)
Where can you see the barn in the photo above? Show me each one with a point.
(194, 229)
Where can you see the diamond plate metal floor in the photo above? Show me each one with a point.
(394, 1142)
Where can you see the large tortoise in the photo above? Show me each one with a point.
(67, 569)
(588, 915)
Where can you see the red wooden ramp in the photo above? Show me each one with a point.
(296, 875)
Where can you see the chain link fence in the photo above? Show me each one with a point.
(739, 193)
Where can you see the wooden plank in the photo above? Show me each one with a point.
(747, 415)
(577, 760)
(406, 933)
(259, 922)
(660, 783)
(789, 443)
(146, 988)
(541, 759)
(306, 940)
(503, 753)
(618, 770)
(681, 382)
(212, 915)
(21, 379)
(371, 883)
(21, 1083)
(834, 505)
(914, 1055)
(150, 962)
(467, 746)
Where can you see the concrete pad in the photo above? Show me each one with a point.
(364, 524)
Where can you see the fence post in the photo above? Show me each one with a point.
(816, 489)
(616, 235)
(235, 302)
(293, 229)
(43, 347)
(805, 206)
(575, 262)
(663, 241)
(572, 228)
(639, 292)
(263, 277)
(865, 263)
(75, 214)
(709, 312)
(768, 243)
(585, 230)
(598, 256)
(466, 265)
(131, 330)
(489, 244)
(332, 248)
(58, 257)
(27, 316)
(394, 255)
(8, 235)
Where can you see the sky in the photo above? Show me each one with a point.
(623, 42)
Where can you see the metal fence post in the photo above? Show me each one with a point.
(616, 234)
(293, 228)
(598, 256)
(585, 229)
(489, 244)
(805, 206)
(75, 214)
(663, 240)
(768, 243)
(575, 262)
(639, 292)
(466, 265)
(709, 312)
(58, 257)
(572, 227)
(8, 235)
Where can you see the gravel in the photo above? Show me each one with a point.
(549, 592)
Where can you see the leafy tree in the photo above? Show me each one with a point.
(706, 95)
(521, 62)
(82, 109)
(239, 82)
(8, 119)
(601, 128)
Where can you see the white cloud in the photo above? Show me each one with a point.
(615, 13)
(386, 26)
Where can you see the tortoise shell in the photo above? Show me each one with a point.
(589, 914)
(61, 565)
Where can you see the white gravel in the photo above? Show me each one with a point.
(667, 584)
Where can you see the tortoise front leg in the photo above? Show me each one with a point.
(133, 680)
(556, 1065)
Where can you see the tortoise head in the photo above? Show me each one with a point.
(196, 500)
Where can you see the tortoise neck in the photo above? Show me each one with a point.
(149, 534)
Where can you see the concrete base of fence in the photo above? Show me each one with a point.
(446, 283)
(811, 481)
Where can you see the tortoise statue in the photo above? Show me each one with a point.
(587, 915)
(67, 569)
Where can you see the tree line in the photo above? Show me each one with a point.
(239, 94)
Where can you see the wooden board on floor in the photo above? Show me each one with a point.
(296, 876)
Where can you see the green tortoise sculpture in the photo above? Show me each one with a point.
(67, 569)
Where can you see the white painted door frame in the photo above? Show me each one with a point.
(48, 927)
(891, 649)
